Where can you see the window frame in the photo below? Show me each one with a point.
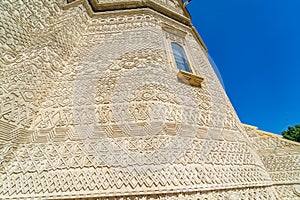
(184, 55)
(174, 35)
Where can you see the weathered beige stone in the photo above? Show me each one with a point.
(91, 108)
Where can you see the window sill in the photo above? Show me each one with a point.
(189, 78)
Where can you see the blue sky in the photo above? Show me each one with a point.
(256, 46)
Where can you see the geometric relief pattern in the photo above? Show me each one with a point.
(263, 193)
(90, 106)
(42, 157)
(281, 159)
(115, 182)
(39, 60)
(221, 103)
(171, 5)
(69, 167)
(20, 23)
(287, 192)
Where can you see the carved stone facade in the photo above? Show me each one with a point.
(281, 159)
(91, 108)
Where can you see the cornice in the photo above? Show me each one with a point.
(93, 8)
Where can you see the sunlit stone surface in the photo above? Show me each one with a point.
(92, 107)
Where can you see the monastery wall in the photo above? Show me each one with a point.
(91, 107)
(281, 158)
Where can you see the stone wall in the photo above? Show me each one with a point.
(91, 107)
(281, 158)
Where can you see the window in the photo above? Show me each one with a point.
(180, 57)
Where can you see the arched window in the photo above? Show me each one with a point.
(180, 57)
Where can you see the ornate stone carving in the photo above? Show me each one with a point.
(90, 107)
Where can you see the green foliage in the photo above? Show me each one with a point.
(293, 133)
